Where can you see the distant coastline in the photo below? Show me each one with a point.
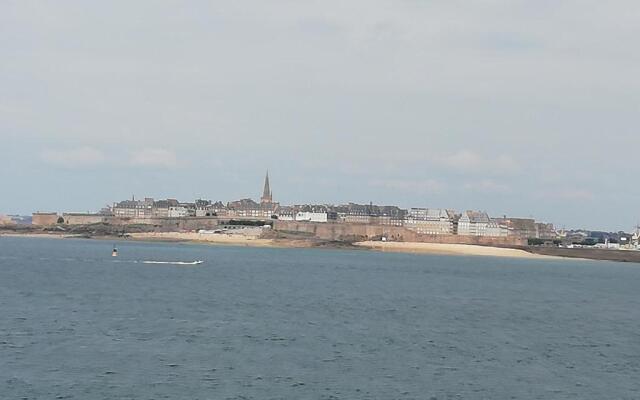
(256, 241)
(529, 252)
(449, 249)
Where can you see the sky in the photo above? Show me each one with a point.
(518, 108)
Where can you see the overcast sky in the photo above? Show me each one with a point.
(523, 108)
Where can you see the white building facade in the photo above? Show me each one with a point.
(178, 212)
(430, 221)
(312, 216)
(478, 223)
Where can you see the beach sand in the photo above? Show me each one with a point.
(257, 241)
(448, 249)
(34, 235)
(214, 238)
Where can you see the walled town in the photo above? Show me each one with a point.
(339, 223)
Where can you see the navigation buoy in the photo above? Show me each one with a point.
(114, 253)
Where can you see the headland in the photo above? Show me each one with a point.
(268, 237)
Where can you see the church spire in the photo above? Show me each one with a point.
(266, 193)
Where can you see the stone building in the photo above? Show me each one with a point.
(44, 218)
(267, 195)
(84, 218)
(5, 220)
(150, 208)
(182, 210)
(528, 228)
(478, 223)
(287, 213)
(370, 214)
(312, 216)
(390, 215)
(219, 208)
(247, 208)
(353, 213)
(430, 221)
(134, 208)
(203, 208)
(161, 207)
(308, 213)
(546, 231)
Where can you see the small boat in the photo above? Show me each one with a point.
(114, 253)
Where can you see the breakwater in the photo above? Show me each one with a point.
(592, 254)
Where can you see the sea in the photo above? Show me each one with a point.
(267, 323)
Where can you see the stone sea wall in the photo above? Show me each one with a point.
(360, 232)
(323, 231)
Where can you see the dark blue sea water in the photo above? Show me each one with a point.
(255, 323)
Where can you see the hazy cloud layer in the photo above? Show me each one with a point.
(468, 161)
(73, 157)
(154, 158)
(516, 107)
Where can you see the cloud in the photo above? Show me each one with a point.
(487, 186)
(431, 186)
(73, 157)
(471, 162)
(571, 194)
(455, 91)
(154, 157)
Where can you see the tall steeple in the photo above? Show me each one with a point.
(267, 196)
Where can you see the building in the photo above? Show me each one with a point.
(574, 236)
(316, 213)
(83, 218)
(369, 214)
(20, 219)
(478, 223)
(546, 231)
(267, 195)
(287, 213)
(390, 215)
(309, 216)
(247, 208)
(307, 212)
(150, 208)
(528, 228)
(430, 221)
(134, 208)
(353, 213)
(219, 209)
(181, 210)
(203, 208)
(44, 218)
(161, 207)
(5, 220)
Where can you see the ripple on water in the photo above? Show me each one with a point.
(276, 324)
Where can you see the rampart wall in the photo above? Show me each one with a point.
(83, 219)
(44, 219)
(172, 224)
(359, 232)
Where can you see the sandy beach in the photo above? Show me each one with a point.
(448, 249)
(400, 247)
(214, 238)
(256, 241)
(34, 235)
